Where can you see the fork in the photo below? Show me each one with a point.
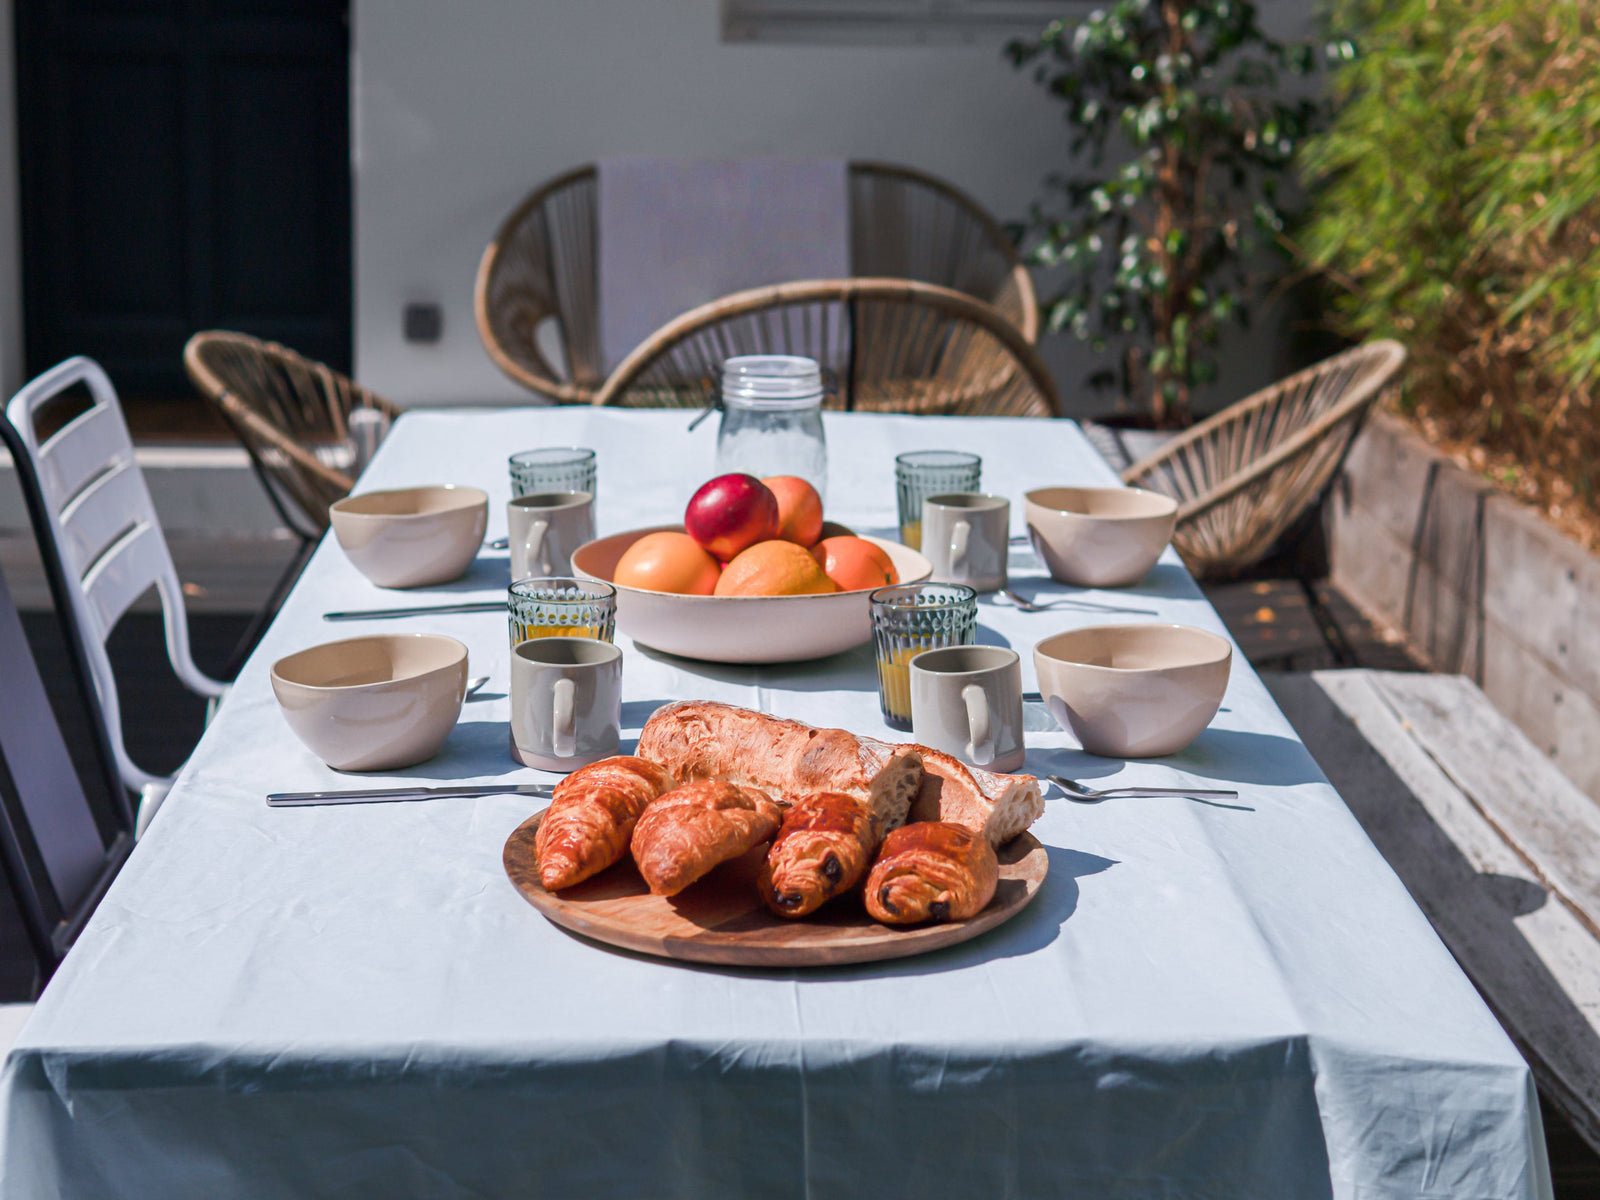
(1082, 795)
(1033, 606)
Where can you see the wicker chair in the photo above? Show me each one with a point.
(892, 346)
(542, 266)
(293, 416)
(1245, 475)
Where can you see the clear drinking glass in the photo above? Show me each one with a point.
(561, 606)
(772, 419)
(923, 473)
(552, 469)
(908, 619)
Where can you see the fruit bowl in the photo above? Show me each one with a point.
(742, 629)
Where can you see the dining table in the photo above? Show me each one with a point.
(1206, 999)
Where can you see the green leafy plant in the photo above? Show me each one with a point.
(1456, 206)
(1180, 136)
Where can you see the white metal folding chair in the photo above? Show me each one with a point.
(108, 540)
(65, 826)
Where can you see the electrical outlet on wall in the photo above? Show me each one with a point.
(422, 323)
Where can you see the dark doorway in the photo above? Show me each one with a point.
(185, 165)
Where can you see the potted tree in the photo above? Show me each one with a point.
(1180, 138)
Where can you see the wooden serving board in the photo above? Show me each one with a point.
(721, 919)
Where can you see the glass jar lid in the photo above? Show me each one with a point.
(771, 382)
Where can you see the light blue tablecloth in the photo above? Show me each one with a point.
(353, 1001)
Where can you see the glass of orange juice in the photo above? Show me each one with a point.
(561, 606)
(919, 474)
(908, 619)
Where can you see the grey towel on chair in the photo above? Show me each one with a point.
(676, 233)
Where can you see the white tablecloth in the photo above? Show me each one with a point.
(1203, 1001)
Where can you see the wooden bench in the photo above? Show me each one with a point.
(1498, 847)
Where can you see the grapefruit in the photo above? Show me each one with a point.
(774, 568)
(854, 563)
(799, 509)
(667, 562)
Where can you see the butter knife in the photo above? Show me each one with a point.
(375, 795)
(373, 614)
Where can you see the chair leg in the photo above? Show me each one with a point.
(268, 610)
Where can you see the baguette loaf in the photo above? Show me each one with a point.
(932, 871)
(693, 828)
(997, 806)
(701, 739)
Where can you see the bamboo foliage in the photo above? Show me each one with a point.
(1456, 204)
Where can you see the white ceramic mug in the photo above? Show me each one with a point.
(566, 702)
(967, 537)
(543, 530)
(967, 701)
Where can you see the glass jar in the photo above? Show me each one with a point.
(772, 419)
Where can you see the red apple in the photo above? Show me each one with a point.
(731, 513)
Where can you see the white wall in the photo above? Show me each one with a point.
(461, 108)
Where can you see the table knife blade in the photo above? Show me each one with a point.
(377, 795)
(376, 614)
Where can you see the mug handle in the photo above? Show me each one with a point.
(533, 547)
(564, 730)
(960, 535)
(980, 747)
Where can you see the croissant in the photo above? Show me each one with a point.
(692, 828)
(701, 739)
(591, 817)
(932, 871)
(823, 848)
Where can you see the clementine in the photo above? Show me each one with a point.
(854, 563)
(774, 568)
(667, 562)
(799, 509)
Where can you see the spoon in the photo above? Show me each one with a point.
(499, 543)
(1033, 606)
(1079, 794)
(476, 682)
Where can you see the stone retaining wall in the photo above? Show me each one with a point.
(1478, 584)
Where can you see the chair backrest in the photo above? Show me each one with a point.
(301, 421)
(892, 345)
(543, 266)
(905, 224)
(1243, 476)
(58, 860)
(103, 529)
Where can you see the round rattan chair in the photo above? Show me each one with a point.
(293, 416)
(1245, 475)
(891, 345)
(542, 268)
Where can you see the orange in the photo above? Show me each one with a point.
(799, 509)
(667, 562)
(854, 563)
(774, 568)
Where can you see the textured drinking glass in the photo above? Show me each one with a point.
(908, 619)
(559, 606)
(552, 469)
(923, 473)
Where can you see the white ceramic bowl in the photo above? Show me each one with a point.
(742, 629)
(1133, 691)
(412, 537)
(1099, 536)
(373, 703)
